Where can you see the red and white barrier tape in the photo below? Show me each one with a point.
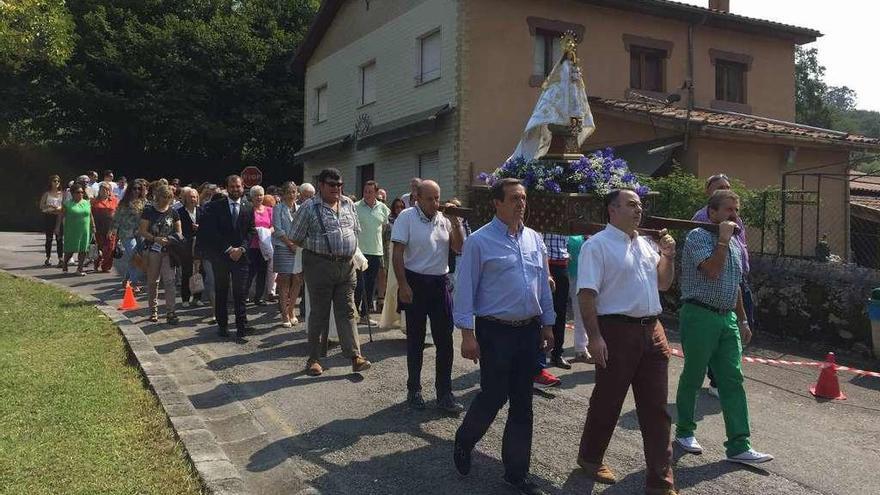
(749, 359)
(820, 364)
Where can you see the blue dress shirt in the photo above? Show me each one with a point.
(502, 276)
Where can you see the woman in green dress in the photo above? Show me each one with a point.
(79, 227)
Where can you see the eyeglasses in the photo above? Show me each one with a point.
(333, 183)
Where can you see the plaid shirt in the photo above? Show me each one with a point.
(342, 228)
(557, 246)
(720, 293)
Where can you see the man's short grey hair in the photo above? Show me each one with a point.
(187, 190)
(306, 187)
(716, 201)
(256, 190)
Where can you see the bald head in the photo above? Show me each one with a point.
(428, 197)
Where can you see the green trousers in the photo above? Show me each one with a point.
(710, 338)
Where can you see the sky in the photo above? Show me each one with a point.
(845, 24)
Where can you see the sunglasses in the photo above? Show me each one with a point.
(334, 183)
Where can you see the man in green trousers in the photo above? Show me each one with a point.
(714, 328)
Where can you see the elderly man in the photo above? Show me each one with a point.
(409, 199)
(619, 276)
(373, 217)
(502, 301)
(422, 238)
(714, 328)
(306, 192)
(719, 182)
(327, 229)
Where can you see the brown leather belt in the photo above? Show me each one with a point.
(509, 323)
(330, 257)
(633, 320)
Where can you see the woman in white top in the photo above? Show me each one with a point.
(50, 205)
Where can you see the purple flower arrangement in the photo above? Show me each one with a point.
(598, 174)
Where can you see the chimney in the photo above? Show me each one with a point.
(722, 5)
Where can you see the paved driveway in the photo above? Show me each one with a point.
(344, 434)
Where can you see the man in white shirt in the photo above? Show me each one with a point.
(422, 238)
(619, 277)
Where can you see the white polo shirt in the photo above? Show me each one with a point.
(622, 271)
(426, 240)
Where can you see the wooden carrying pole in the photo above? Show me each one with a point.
(651, 225)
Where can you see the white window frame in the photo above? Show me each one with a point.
(420, 75)
(320, 95)
(364, 98)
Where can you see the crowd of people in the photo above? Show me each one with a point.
(505, 287)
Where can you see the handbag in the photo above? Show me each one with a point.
(93, 252)
(118, 251)
(196, 283)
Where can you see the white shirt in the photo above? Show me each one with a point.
(622, 271)
(426, 240)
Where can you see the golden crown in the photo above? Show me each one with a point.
(569, 45)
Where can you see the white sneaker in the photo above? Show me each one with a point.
(287, 324)
(751, 457)
(713, 391)
(689, 444)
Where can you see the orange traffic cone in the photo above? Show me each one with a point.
(129, 303)
(828, 387)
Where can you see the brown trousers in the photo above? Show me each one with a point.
(638, 356)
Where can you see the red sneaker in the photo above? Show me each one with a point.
(545, 379)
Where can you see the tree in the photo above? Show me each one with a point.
(841, 98)
(34, 31)
(172, 81)
(810, 89)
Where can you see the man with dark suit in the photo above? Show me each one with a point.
(226, 229)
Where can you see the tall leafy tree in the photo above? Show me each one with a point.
(810, 89)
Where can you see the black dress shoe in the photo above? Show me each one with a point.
(560, 362)
(239, 339)
(525, 487)
(223, 332)
(461, 455)
(449, 405)
(415, 400)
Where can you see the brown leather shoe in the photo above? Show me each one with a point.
(660, 491)
(599, 472)
(359, 363)
(313, 368)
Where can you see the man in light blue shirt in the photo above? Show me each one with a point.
(502, 301)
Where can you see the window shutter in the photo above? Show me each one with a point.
(368, 83)
(321, 97)
(430, 57)
(429, 165)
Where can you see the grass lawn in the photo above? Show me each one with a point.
(75, 417)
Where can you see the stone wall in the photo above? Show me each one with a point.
(813, 301)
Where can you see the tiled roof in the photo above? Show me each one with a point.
(872, 202)
(712, 17)
(735, 122)
(862, 182)
(661, 8)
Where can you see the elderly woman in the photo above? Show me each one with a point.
(103, 208)
(190, 213)
(258, 262)
(79, 227)
(284, 259)
(159, 223)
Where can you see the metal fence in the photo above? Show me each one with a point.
(816, 215)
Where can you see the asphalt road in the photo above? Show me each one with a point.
(342, 433)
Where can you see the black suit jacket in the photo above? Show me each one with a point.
(217, 232)
(186, 223)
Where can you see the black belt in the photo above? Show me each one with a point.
(706, 306)
(331, 257)
(634, 320)
(509, 323)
